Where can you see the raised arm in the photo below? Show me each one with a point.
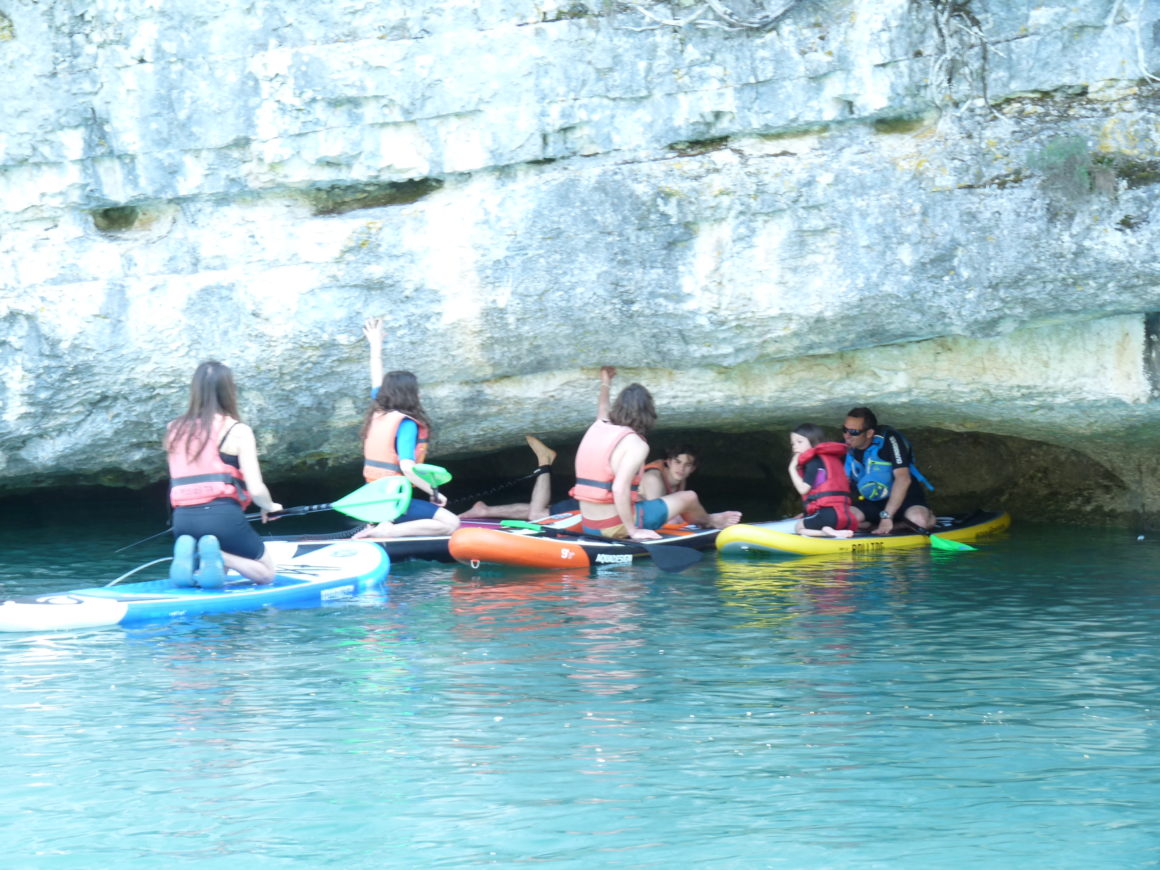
(795, 476)
(607, 373)
(373, 330)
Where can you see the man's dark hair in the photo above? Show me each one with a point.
(677, 449)
(866, 416)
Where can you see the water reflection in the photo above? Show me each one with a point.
(597, 615)
(777, 591)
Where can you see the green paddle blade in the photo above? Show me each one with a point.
(436, 475)
(938, 543)
(380, 501)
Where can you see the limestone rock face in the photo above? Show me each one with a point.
(945, 211)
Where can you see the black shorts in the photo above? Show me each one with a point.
(224, 519)
(828, 516)
(418, 509)
(915, 495)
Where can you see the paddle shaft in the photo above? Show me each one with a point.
(142, 541)
(380, 500)
(292, 512)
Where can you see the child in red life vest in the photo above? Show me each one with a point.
(817, 470)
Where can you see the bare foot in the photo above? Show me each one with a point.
(479, 509)
(837, 533)
(382, 530)
(545, 455)
(724, 519)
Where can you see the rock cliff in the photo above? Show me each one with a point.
(766, 213)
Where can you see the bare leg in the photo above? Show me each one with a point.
(831, 532)
(687, 504)
(542, 488)
(443, 523)
(541, 491)
(517, 511)
(823, 532)
(259, 570)
(921, 517)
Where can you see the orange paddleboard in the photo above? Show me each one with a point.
(475, 545)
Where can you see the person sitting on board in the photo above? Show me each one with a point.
(817, 471)
(886, 484)
(665, 476)
(538, 507)
(213, 476)
(609, 462)
(394, 436)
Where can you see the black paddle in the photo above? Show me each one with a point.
(667, 558)
(379, 501)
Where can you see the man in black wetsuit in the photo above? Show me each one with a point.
(886, 484)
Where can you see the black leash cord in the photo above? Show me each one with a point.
(476, 496)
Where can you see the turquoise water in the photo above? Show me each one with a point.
(921, 710)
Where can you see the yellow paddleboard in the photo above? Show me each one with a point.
(777, 538)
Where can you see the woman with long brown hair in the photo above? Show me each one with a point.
(214, 475)
(395, 433)
(609, 463)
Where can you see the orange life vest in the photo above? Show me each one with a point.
(206, 476)
(594, 473)
(380, 458)
(659, 465)
(834, 491)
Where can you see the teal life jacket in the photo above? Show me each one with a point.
(873, 476)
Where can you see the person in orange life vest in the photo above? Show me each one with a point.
(817, 470)
(394, 436)
(609, 461)
(214, 474)
(665, 476)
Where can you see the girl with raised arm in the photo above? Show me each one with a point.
(395, 434)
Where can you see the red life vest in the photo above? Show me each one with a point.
(206, 476)
(380, 458)
(659, 465)
(834, 491)
(594, 473)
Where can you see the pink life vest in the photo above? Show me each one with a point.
(594, 473)
(206, 476)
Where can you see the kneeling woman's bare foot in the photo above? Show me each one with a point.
(479, 509)
(837, 533)
(724, 519)
(382, 530)
(545, 455)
